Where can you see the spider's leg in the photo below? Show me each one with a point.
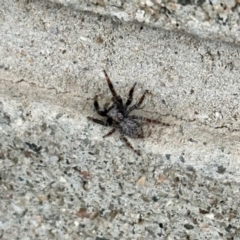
(97, 108)
(130, 95)
(98, 121)
(138, 104)
(123, 138)
(141, 99)
(110, 133)
(106, 105)
(116, 97)
(143, 119)
(110, 85)
(107, 109)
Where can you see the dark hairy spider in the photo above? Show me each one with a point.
(118, 115)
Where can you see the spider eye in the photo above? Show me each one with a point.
(120, 116)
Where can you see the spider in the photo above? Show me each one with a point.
(118, 115)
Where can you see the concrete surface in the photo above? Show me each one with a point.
(60, 179)
(213, 19)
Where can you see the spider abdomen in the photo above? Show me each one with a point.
(131, 128)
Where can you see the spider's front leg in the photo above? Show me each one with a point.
(97, 108)
(138, 104)
(130, 95)
(116, 97)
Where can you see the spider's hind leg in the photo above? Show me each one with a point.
(123, 138)
(110, 133)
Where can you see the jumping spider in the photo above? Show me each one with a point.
(118, 115)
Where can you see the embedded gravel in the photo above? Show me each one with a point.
(213, 19)
(59, 179)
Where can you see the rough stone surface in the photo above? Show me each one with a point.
(59, 179)
(215, 19)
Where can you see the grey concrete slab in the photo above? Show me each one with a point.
(212, 19)
(61, 180)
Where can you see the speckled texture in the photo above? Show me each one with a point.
(60, 179)
(215, 19)
(73, 185)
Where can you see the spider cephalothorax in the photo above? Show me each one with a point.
(118, 115)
